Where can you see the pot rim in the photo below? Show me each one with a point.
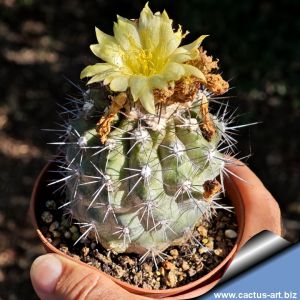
(200, 282)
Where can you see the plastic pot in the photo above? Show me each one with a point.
(249, 223)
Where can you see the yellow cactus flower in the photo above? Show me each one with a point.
(142, 56)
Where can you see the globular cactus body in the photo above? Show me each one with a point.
(143, 176)
(144, 188)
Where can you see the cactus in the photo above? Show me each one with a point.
(143, 157)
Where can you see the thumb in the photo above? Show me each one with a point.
(57, 278)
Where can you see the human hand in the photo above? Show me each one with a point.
(57, 278)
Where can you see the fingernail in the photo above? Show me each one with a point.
(45, 272)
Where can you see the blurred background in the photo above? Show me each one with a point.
(257, 43)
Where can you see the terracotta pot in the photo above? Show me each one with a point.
(193, 289)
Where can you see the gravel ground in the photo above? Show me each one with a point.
(210, 243)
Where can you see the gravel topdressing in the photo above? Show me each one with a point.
(209, 245)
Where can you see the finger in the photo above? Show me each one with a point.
(57, 278)
(261, 209)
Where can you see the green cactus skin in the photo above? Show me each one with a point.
(141, 191)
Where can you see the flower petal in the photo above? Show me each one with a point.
(148, 27)
(107, 48)
(141, 90)
(180, 55)
(111, 75)
(158, 82)
(193, 47)
(119, 84)
(191, 70)
(137, 84)
(147, 100)
(103, 77)
(196, 44)
(126, 33)
(96, 78)
(168, 40)
(90, 71)
(173, 71)
(108, 54)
